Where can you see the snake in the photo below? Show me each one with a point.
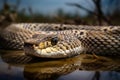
(47, 40)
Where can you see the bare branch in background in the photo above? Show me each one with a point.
(99, 13)
(17, 5)
(98, 10)
(7, 16)
(30, 10)
(31, 13)
(6, 7)
(81, 7)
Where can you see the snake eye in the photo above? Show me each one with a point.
(54, 40)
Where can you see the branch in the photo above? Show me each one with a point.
(79, 6)
(89, 11)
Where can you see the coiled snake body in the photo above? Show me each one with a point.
(60, 41)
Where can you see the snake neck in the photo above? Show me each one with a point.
(97, 42)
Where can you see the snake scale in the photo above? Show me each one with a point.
(61, 41)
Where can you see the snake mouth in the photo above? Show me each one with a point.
(59, 50)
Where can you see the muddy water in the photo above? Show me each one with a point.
(14, 65)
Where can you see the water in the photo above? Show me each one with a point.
(83, 67)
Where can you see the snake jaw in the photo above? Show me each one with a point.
(54, 53)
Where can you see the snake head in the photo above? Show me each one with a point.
(53, 46)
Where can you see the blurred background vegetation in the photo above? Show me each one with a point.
(103, 13)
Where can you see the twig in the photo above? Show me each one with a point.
(91, 12)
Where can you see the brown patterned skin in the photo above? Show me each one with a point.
(14, 36)
(73, 40)
(69, 43)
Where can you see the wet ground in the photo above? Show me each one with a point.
(14, 65)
